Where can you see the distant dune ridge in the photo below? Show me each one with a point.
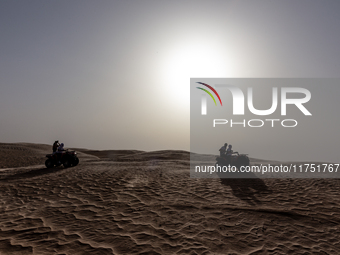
(27, 154)
(136, 202)
(135, 155)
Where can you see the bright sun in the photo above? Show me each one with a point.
(195, 60)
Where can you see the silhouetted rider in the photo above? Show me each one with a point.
(55, 146)
(229, 153)
(60, 151)
(223, 150)
(229, 150)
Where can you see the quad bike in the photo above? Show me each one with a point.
(235, 159)
(66, 158)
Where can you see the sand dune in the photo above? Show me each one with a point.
(22, 154)
(146, 203)
(135, 155)
(109, 154)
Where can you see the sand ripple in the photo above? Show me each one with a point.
(107, 207)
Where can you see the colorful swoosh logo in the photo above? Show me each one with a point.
(212, 89)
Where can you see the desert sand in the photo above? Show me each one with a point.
(135, 202)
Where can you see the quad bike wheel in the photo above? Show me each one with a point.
(67, 163)
(49, 163)
(75, 161)
(242, 161)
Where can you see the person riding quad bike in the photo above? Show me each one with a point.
(223, 150)
(60, 151)
(229, 153)
(55, 146)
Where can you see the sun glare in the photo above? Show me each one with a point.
(190, 61)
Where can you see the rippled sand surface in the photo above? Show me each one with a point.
(148, 204)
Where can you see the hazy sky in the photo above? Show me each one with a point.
(116, 74)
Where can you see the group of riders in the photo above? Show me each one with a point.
(226, 152)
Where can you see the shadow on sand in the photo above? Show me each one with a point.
(246, 186)
(31, 173)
